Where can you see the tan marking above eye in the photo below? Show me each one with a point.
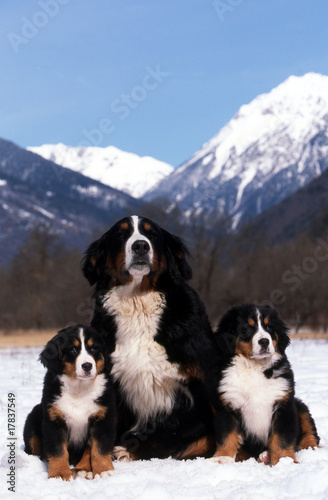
(251, 322)
(266, 321)
(147, 226)
(90, 342)
(124, 225)
(76, 343)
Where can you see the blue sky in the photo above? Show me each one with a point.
(152, 77)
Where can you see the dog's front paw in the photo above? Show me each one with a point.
(87, 474)
(65, 476)
(106, 473)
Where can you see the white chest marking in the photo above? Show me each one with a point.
(77, 403)
(140, 365)
(245, 387)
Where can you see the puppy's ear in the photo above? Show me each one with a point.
(228, 331)
(94, 261)
(51, 356)
(278, 326)
(178, 256)
(281, 329)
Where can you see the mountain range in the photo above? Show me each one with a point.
(34, 190)
(126, 172)
(268, 163)
(271, 148)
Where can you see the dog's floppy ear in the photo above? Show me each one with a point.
(178, 256)
(94, 261)
(281, 330)
(227, 332)
(51, 355)
(277, 325)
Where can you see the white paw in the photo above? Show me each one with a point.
(222, 460)
(121, 454)
(265, 457)
(85, 474)
(106, 473)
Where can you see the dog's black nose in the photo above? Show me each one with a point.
(140, 247)
(87, 367)
(264, 343)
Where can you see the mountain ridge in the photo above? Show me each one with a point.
(269, 149)
(126, 172)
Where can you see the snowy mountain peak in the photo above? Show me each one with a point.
(123, 171)
(279, 138)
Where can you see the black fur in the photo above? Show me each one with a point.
(45, 434)
(184, 332)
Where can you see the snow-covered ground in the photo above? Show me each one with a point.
(169, 479)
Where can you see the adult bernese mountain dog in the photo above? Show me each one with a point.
(257, 407)
(75, 422)
(159, 338)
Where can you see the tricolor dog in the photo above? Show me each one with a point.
(256, 405)
(159, 338)
(75, 422)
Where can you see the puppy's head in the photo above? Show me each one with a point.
(255, 332)
(135, 249)
(77, 351)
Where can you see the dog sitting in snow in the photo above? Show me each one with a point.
(75, 422)
(256, 405)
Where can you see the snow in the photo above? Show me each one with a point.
(170, 479)
(124, 171)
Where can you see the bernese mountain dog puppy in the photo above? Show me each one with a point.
(159, 338)
(257, 407)
(75, 422)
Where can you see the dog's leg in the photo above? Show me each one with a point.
(228, 439)
(101, 463)
(58, 466)
(278, 449)
(83, 468)
(227, 450)
(54, 433)
(308, 436)
(102, 443)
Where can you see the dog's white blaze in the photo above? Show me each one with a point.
(246, 388)
(84, 357)
(140, 365)
(136, 236)
(261, 334)
(77, 403)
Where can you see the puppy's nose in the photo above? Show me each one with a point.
(140, 247)
(87, 367)
(264, 343)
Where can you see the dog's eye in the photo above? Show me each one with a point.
(73, 350)
(94, 349)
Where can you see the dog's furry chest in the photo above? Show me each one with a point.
(140, 364)
(245, 388)
(77, 403)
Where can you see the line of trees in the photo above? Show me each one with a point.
(43, 286)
